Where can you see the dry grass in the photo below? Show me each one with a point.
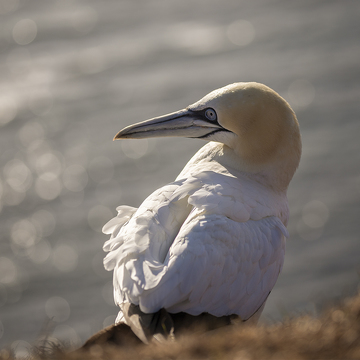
(334, 335)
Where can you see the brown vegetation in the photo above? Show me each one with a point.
(334, 335)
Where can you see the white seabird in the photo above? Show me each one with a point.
(212, 241)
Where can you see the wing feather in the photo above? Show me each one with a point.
(209, 243)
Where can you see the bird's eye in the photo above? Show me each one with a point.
(210, 114)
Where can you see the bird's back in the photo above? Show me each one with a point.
(211, 241)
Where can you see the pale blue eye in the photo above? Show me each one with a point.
(210, 114)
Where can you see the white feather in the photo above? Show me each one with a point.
(201, 244)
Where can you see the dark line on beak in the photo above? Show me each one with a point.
(210, 133)
(163, 121)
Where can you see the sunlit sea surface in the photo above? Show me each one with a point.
(73, 73)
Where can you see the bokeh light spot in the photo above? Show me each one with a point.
(48, 166)
(75, 178)
(84, 19)
(8, 271)
(24, 31)
(36, 150)
(12, 197)
(8, 109)
(241, 32)
(65, 258)
(338, 316)
(57, 309)
(44, 221)
(301, 93)
(307, 233)
(315, 214)
(195, 37)
(40, 252)
(21, 349)
(48, 189)
(23, 234)
(135, 149)
(17, 175)
(31, 133)
(66, 335)
(98, 216)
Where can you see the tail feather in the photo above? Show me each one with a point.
(157, 325)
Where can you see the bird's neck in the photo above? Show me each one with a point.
(222, 159)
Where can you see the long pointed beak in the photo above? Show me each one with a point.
(185, 123)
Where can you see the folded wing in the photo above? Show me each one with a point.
(209, 243)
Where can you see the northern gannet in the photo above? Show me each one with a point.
(212, 241)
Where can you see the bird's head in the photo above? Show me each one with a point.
(255, 123)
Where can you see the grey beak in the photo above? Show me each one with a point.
(184, 123)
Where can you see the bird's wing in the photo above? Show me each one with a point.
(138, 249)
(205, 244)
(220, 266)
(114, 225)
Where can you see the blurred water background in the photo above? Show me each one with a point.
(73, 73)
